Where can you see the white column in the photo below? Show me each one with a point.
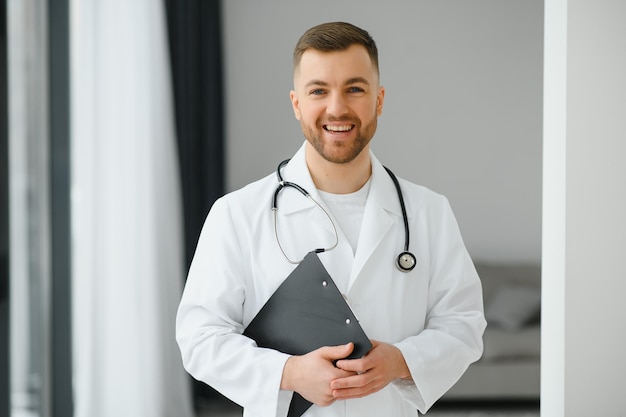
(584, 334)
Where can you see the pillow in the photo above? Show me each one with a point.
(512, 307)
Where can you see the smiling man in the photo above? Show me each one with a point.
(337, 99)
(421, 309)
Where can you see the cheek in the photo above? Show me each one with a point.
(369, 111)
(310, 113)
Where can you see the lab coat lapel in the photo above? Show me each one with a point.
(381, 210)
(296, 172)
(293, 204)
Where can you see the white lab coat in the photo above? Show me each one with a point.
(433, 314)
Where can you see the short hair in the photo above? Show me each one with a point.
(335, 36)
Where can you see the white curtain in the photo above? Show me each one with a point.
(126, 208)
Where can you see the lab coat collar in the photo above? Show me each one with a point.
(297, 171)
(382, 189)
(381, 209)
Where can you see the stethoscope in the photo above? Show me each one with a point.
(405, 262)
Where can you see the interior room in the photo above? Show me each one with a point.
(463, 116)
(122, 122)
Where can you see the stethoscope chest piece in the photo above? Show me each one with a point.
(406, 261)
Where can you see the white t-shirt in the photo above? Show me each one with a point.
(347, 211)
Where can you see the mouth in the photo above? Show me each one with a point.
(338, 128)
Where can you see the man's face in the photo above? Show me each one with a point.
(337, 99)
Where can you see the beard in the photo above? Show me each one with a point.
(339, 152)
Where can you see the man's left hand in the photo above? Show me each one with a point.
(383, 363)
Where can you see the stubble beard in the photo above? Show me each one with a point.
(339, 152)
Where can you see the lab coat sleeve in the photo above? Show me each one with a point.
(209, 323)
(452, 336)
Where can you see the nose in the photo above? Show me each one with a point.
(337, 105)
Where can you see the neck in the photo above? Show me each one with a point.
(339, 178)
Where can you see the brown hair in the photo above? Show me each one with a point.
(335, 36)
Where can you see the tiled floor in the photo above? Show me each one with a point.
(220, 411)
(223, 408)
(238, 413)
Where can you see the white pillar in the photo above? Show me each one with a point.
(584, 221)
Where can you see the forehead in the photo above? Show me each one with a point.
(335, 65)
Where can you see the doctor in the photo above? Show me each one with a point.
(426, 324)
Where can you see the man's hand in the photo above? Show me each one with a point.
(311, 375)
(383, 364)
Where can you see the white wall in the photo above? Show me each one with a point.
(584, 274)
(463, 109)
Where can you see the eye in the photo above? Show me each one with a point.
(317, 92)
(355, 89)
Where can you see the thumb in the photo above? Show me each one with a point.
(337, 352)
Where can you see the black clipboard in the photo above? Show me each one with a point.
(307, 312)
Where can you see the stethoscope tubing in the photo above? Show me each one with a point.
(406, 260)
(282, 184)
(402, 207)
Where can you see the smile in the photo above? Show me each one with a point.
(343, 128)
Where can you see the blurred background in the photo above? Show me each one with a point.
(122, 122)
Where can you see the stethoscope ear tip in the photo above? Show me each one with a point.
(406, 262)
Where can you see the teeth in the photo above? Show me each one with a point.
(339, 128)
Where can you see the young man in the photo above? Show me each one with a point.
(425, 323)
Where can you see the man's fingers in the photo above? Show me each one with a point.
(337, 352)
(352, 365)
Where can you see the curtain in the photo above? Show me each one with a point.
(128, 260)
(196, 57)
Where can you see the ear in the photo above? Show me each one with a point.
(295, 104)
(380, 99)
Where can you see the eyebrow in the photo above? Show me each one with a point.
(350, 81)
(357, 80)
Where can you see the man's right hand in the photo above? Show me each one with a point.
(310, 375)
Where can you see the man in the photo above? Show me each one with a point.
(426, 324)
